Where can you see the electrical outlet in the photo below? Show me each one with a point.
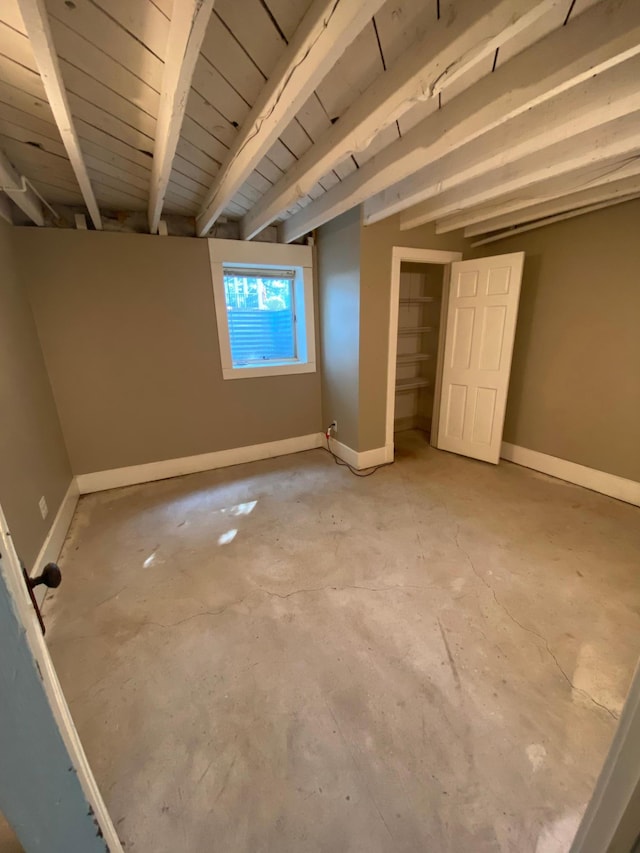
(334, 427)
(44, 509)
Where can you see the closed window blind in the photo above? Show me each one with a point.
(260, 314)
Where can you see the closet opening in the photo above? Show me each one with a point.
(418, 335)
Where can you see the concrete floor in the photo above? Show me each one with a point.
(281, 657)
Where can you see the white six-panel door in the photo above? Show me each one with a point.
(481, 324)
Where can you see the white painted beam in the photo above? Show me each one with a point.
(615, 191)
(540, 96)
(605, 145)
(551, 220)
(322, 37)
(446, 52)
(599, 100)
(34, 15)
(188, 26)
(599, 175)
(19, 191)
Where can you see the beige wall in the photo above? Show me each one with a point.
(376, 244)
(127, 325)
(575, 379)
(33, 457)
(338, 261)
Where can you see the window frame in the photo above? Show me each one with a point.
(237, 253)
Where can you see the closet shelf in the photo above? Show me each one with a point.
(410, 384)
(409, 299)
(412, 330)
(413, 357)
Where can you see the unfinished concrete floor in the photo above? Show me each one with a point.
(281, 657)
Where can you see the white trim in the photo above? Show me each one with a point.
(52, 545)
(364, 458)
(10, 567)
(261, 255)
(151, 471)
(580, 475)
(611, 803)
(420, 256)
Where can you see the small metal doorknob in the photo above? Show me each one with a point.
(51, 577)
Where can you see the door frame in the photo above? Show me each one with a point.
(17, 589)
(418, 256)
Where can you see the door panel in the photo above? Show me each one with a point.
(480, 329)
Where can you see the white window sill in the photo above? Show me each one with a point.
(272, 369)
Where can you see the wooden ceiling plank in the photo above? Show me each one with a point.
(255, 31)
(21, 101)
(188, 26)
(35, 19)
(563, 60)
(213, 87)
(74, 51)
(200, 138)
(27, 121)
(433, 63)
(143, 20)
(232, 61)
(99, 28)
(208, 117)
(325, 32)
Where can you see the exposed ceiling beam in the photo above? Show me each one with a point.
(322, 37)
(446, 52)
(188, 26)
(606, 145)
(551, 220)
(504, 116)
(599, 175)
(614, 191)
(19, 191)
(600, 100)
(36, 22)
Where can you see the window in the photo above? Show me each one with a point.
(261, 315)
(264, 308)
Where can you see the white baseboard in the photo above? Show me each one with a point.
(147, 473)
(364, 458)
(52, 545)
(580, 475)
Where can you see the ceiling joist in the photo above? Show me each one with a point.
(544, 94)
(606, 145)
(188, 26)
(615, 191)
(437, 60)
(36, 22)
(600, 100)
(551, 220)
(597, 174)
(324, 33)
